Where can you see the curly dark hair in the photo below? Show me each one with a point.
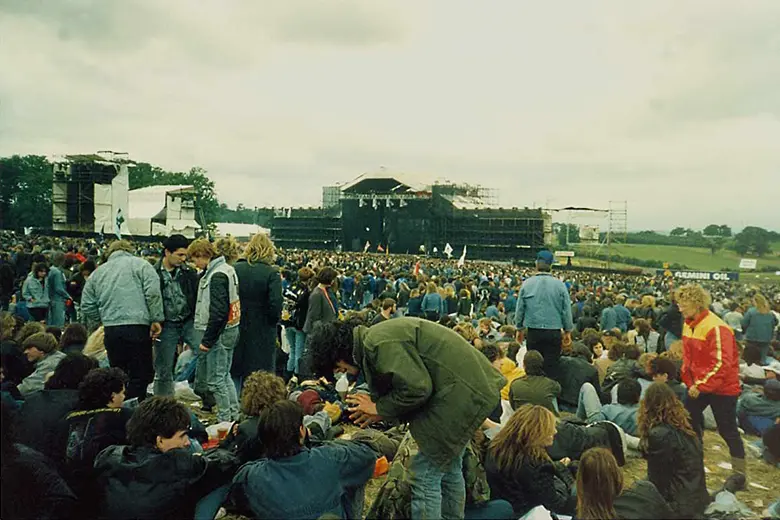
(261, 389)
(157, 416)
(330, 343)
(70, 372)
(661, 406)
(96, 389)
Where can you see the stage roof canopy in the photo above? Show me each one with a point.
(385, 181)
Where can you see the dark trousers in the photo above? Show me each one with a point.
(38, 313)
(129, 347)
(548, 344)
(724, 408)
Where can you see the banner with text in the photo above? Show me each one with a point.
(700, 276)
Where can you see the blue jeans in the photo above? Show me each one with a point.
(218, 361)
(297, 341)
(208, 506)
(589, 404)
(437, 492)
(494, 509)
(347, 299)
(669, 338)
(367, 299)
(165, 352)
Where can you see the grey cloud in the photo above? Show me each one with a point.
(350, 23)
(738, 57)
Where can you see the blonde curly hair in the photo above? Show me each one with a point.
(229, 248)
(695, 294)
(261, 389)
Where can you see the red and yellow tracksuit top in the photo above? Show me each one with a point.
(710, 355)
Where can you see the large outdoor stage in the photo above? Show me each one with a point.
(393, 212)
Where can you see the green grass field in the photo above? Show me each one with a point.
(694, 257)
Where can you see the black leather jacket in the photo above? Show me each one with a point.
(188, 281)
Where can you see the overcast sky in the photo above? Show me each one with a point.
(672, 105)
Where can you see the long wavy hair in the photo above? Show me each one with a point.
(599, 482)
(260, 249)
(761, 303)
(661, 406)
(523, 438)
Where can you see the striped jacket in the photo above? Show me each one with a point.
(710, 355)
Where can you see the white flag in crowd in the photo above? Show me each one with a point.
(448, 250)
(365, 248)
(462, 259)
(120, 219)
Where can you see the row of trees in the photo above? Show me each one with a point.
(751, 240)
(26, 190)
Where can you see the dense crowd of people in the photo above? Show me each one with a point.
(485, 390)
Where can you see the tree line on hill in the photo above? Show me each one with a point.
(751, 240)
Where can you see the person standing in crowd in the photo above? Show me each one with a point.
(299, 293)
(758, 326)
(35, 292)
(544, 309)
(432, 303)
(322, 306)
(608, 318)
(710, 369)
(672, 323)
(675, 458)
(622, 314)
(179, 287)
(217, 319)
(124, 295)
(76, 286)
(260, 292)
(423, 373)
(56, 284)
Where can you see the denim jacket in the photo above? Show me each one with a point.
(543, 303)
(307, 485)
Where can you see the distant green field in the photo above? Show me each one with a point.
(693, 257)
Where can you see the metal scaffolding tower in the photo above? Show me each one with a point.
(618, 226)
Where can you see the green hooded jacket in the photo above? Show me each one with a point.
(429, 376)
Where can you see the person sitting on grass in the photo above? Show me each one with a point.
(158, 475)
(261, 389)
(663, 370)
(31, 486)
(43, 413)
(534, 387)
(296, 482)
(600, 493)
(675, 458)
(519, 469)
(40, 349)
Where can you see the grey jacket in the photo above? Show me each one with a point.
(321, 308)
(123, 291)
(35, 381)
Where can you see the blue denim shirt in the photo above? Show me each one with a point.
(623, 316)
(621, 414)
(544, 303)
(307, 485)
